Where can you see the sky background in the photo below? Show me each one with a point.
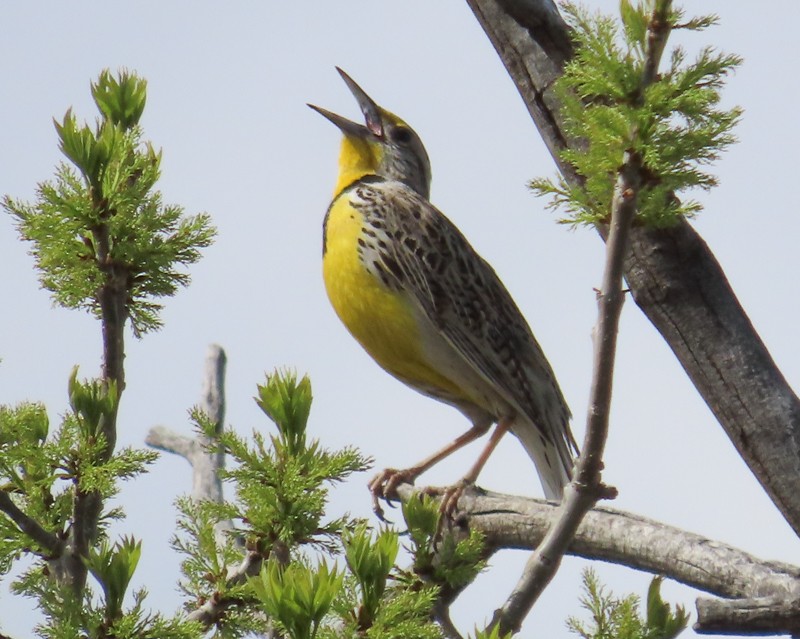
(227, 87)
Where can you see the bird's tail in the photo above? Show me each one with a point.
(553, 456)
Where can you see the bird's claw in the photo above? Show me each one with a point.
(384, 487)
(448, 504)
(450, 497)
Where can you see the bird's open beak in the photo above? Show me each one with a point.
(371, 111)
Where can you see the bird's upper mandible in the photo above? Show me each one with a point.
(384, 145)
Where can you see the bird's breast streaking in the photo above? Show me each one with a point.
(361, 278)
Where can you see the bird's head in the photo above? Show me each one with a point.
(384, 145)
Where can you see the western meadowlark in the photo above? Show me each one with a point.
(413, 292)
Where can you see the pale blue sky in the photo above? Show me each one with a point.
(228, 85)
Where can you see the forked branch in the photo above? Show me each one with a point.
(672, 274)
(206, 484)
(46, 540)
(755, 593)
(587, 487)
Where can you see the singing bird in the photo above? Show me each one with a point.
(420, 300)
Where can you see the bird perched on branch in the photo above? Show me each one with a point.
(413, 292)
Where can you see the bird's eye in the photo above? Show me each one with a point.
(401, 134)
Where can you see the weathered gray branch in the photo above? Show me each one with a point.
(673, 276)
(682, 289)
(615, 536)
(758, 616)
(206, 484)
(587, 487)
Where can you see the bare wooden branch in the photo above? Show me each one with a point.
(760, 616)
(206, 484)
(680, 286)
(441, 614)
(587, 487)
(673, 276)
(619, 537)
(533, 43)
(46, 540)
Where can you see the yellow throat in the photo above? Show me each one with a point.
(357, 158)
(380, 319)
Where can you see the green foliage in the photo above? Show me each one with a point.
(121, 100)
(370, 561)
(405, 613)
(28, 470)
(41, 471)
(207, 555)
(281, 489)
(281, 498)
(379, 600)
(675, 123)
(113, 567)
(660, 617)
(94, 403)
(281, 485)
(90, 463)
(297, 597)
(104, 227)
(103, 241)
(41, 474)
(613, 618)
(67, 615)
(438, 558)
(492, 633)
(287, 402)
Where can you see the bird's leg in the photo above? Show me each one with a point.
(385, 483)
(453, 493)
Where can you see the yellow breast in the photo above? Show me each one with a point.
(382, 320)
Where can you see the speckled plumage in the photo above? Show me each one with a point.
(425, 305)
(485, 344)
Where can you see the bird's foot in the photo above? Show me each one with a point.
(450, 496)
(448, 504)
(384, 486)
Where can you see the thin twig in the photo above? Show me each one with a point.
(674, 278)
(587, 488)
(48, 541)
(212, 610)
(755, 593)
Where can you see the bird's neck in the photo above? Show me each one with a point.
(356, 160)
